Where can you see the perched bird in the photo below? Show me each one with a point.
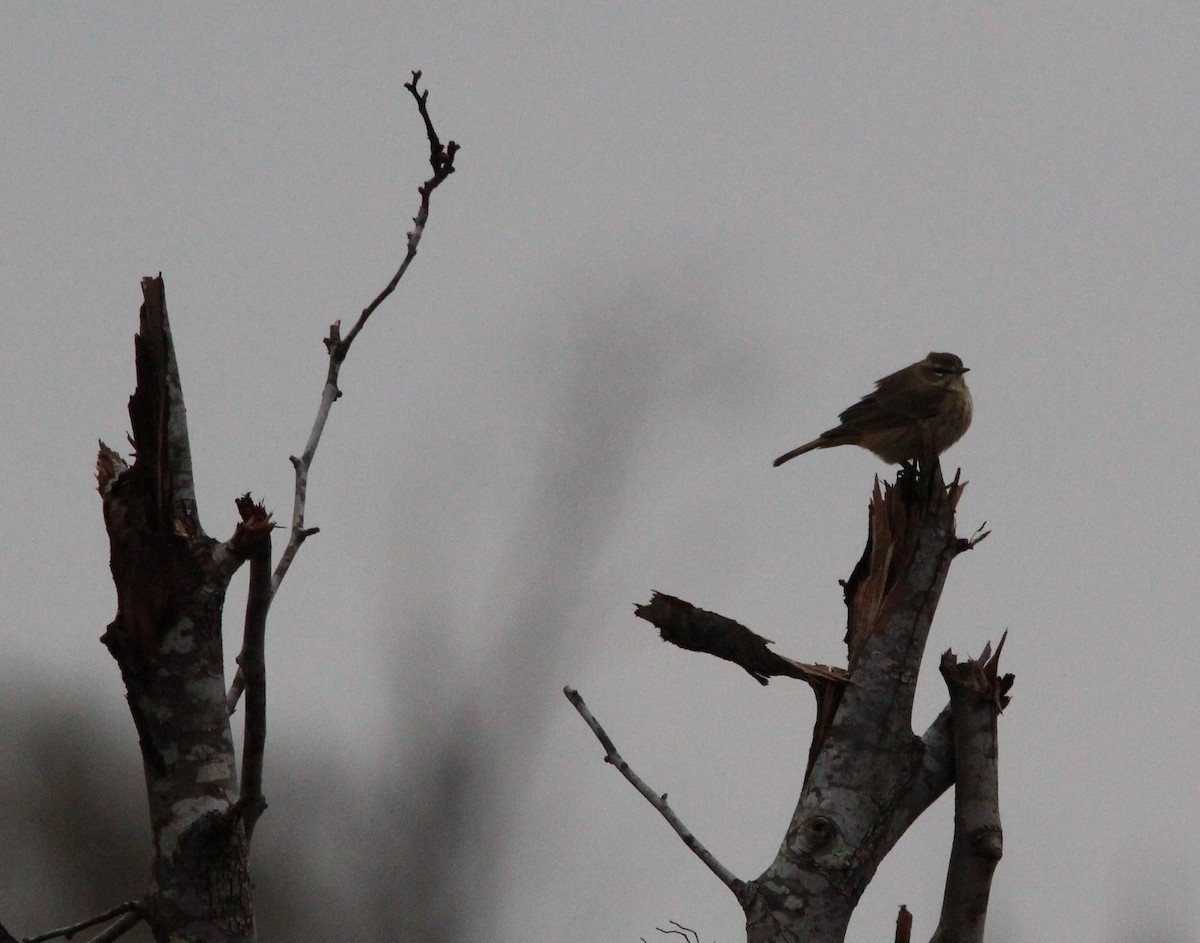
(918, 411)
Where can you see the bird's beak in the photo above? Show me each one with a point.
(964, 370)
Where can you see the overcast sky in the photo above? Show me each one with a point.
(681, 239)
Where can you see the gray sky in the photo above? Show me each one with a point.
(681, 240)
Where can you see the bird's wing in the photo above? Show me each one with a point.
(901, 405)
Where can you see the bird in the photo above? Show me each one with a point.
(916, 412)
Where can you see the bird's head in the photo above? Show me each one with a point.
(942, 369)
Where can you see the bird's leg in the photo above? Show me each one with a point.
(926, 459)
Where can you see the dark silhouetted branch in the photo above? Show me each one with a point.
(441, 160)
(678, 929)
(252, 660)
(699, 630)
(131, 910)
(658, 801)
(117, 929)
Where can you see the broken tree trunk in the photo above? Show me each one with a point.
(171, 579)
(869, 776)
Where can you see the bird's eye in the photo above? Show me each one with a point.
(940, 371)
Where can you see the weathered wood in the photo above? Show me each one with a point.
(978, 693)
(858, 797)
(171, 579)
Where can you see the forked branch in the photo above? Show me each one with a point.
(130, 914)
(868, 776)
(441, 160)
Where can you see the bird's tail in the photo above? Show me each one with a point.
(807, 447)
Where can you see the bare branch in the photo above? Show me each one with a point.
(117, 929)
(441, 159)
(132, 908)
(252, 660)
(739, 887)
(698, 630)
(690, 935)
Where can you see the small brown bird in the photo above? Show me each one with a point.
(920, 410)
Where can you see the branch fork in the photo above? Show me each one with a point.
(167, 638)
(868, 776)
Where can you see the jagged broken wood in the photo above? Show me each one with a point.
(699, 630)
(171, 579)
(978, 693)
(252, 666)
(868, 776)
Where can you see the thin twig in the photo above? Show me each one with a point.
(658, 801)
(131, 908)
(441, 160)
(690, 935)
(118, 929)
(964, 543)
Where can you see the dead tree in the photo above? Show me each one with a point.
(869, 776)
(167, 636)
